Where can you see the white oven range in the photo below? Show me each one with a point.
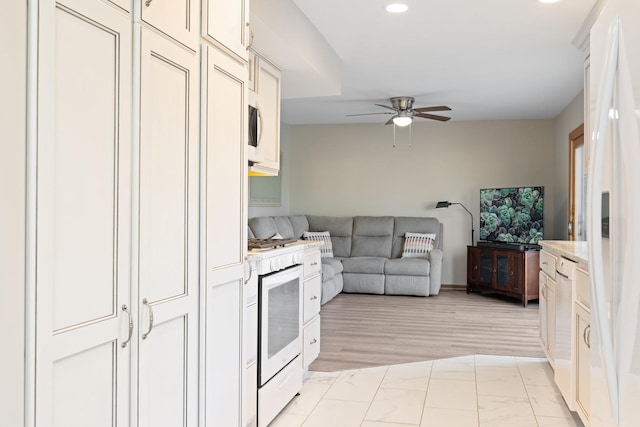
(280, 371)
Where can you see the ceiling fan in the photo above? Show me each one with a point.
(403, 111)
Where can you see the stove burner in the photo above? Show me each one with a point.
(255, 243)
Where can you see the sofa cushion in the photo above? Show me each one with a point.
(263, 227)
(299, 224)
(361, 283)
(407, 267)
(340, 229)
(372, 236)
(371, 265)
(331, 267)
(403, 225)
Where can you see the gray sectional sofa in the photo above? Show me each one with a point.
(367, 252)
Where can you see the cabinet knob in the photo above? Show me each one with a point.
(313, 341)
(511, 273)
(475, 267)
(313, 297)
(148, 3)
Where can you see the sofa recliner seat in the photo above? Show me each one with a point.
(367, 252)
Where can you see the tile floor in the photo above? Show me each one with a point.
(470, 391)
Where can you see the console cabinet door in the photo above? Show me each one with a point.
(82, 245)
(473, 266)
(168, 234)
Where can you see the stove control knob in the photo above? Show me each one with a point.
(298, 258)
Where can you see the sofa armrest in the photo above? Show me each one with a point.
(435, 275)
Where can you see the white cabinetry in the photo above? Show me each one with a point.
(167, 233)
(81, 265)
(226, 23)
(224, 202)
(266, 87)
(311, 306)
(116, 251)
(177, 19)
(547, 311)
(582, 345)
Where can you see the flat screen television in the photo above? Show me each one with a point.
(512, 215)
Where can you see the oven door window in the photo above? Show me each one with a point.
(283, 317)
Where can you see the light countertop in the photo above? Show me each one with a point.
(575, 251)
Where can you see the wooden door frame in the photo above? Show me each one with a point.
(574, 142)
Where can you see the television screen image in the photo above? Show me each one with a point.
(513, 215)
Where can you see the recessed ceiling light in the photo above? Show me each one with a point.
(397, 8)
(548, 1)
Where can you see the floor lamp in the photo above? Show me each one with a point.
(447, 204)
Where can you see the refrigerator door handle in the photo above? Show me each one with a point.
(594, 217)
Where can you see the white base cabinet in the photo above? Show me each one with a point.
(547, 311)
(312, 286)
(582, 346)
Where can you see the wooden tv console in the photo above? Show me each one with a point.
(507, 271)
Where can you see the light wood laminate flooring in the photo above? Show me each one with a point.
(360, 331)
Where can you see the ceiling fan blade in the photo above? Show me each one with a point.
(386, 106)
(366, 114)
(433, 117)
(389, 121)
(438, 108)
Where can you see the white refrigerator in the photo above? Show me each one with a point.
(613, 218)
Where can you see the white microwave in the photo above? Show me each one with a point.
(255, 152)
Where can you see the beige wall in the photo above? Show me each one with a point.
(355, 170)
(570, 118)
(13, 30)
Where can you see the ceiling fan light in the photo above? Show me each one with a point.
(402, 120)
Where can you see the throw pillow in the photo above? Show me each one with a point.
(418, 245)
(326, 250)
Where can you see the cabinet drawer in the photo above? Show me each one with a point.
(311, 348)
(312, 289)
(312, 263)
(548, 264)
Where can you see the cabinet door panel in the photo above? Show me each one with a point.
(168, 231)
(84, 386)
(268, 84)
(225, 22)
(82, 269)
(226, 136)
(164, 371)
(175, 18)
(223, 355)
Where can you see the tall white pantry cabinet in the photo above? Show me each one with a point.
(136, 209)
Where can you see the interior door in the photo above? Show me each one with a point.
(577, 185)
(82, 270)
(167, 230)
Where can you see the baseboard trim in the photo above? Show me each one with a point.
(453, 287)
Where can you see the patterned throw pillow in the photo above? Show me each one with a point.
(326, 250)
(417, 245)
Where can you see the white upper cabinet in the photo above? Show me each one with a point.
(177, 19)
(266, 84)
(226, 23)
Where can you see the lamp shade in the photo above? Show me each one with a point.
(402, 120)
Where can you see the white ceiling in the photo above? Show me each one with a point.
(486, 59)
